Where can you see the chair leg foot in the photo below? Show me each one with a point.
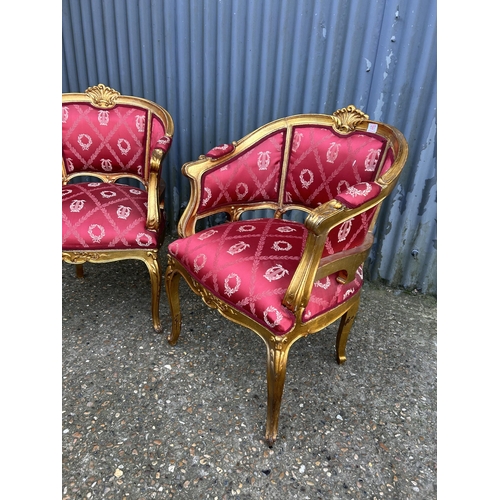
(277, 356)
(344, 329)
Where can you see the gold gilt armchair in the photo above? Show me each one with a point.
(110, 137)
(286, 276)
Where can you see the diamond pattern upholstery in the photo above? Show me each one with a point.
(115, 140)
(296, 272)
(108, 141)
(253, 177)
(98, 215)
(250, 265)
(323, 164)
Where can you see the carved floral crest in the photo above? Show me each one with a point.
(345, 120)
(102, 96)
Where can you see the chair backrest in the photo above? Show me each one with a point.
(110, 136)
(299, 163)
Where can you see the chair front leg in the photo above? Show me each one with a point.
(154, 273)
(172, 278)
(344, 329)
(277, 356)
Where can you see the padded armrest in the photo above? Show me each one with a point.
(220, 151)
(356, 195)
(163, 143)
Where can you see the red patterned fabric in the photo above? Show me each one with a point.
(389, 160)
(157, 133)
(108, 141)
(322, 164)
(99, 215)
(163, 143)
(355, 196)
(349, 234)
(253, 176)
(249, 264)
(220, 151)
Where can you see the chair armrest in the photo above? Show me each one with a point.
(312, 268)
(163, 143)
(347, 204)
(357, 195)
(219, 151)
(154, 184)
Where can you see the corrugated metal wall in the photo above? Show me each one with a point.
(222, 68)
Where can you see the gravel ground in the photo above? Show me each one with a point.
(144, 420)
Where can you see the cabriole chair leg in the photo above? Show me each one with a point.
(277, 356)
(154, 274)
(172, 288)
(344, 329)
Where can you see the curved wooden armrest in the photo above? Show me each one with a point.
(312, 268)
(324, 217)
(331, 214)
(154, 185)
(346, 262)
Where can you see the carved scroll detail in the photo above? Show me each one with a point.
(345, 120)
(321, 214)
(102, 96)
(82, 257)
(278, 355)
(211, 300)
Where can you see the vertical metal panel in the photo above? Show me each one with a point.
(222, 68)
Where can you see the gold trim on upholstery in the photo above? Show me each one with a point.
(312, 266)
(103, 97)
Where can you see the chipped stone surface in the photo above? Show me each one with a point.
(142, 419)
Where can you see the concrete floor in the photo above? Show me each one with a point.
(145, 420)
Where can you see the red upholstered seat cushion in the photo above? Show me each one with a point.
(99, 215)
(249, 264)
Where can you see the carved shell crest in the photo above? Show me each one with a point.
(102, 96)
(345, 120)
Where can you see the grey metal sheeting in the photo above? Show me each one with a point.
(223, 68)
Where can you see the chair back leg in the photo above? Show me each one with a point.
(79, 270)
(172, 278)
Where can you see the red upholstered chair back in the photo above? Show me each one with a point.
(322, 163)
(117, 141)
(250, 177)
(296, 164)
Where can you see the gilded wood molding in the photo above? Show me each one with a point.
(82, 257)
(345, 120)
(312, 266)
(277, 359)
(102, 96)
(322, 214)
